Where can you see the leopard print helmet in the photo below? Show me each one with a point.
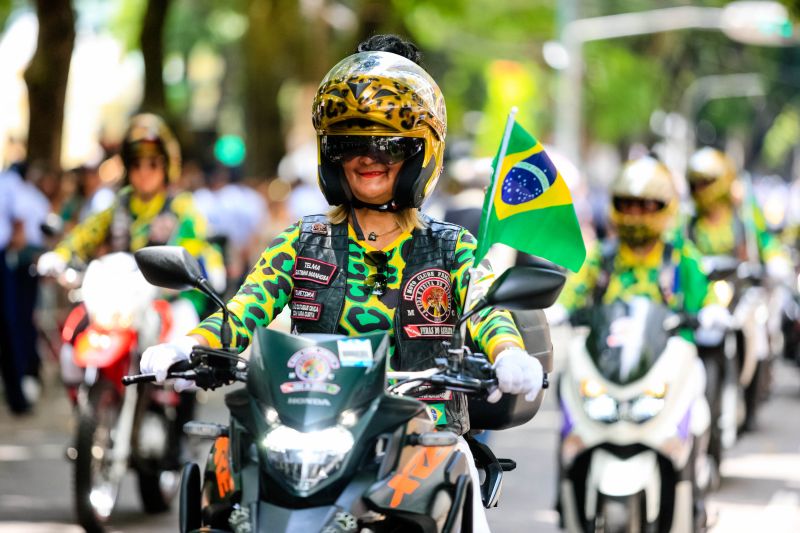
(149, 133)
(382, 94)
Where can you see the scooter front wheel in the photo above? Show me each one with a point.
(621, 515)
(96, 485)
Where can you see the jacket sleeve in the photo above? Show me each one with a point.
(264, 293)
(492, 326)
(86, 237)
(693, 282)
(577, 291)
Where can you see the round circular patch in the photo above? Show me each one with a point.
(432, 299)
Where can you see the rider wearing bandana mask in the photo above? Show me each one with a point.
(374, 262)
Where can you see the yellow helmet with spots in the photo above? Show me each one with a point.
(148, 135)
(710, 174)
(646, 183)
(381, 103)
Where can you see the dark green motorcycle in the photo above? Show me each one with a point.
(316, 440)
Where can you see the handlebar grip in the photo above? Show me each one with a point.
(138, 378)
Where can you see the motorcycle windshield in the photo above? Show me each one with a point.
(311, 379)
(627, 338)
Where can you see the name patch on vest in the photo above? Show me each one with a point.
(304, 294)
(305, 310)
(313, 270)
(426, 305)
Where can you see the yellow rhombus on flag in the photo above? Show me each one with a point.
(530, 208)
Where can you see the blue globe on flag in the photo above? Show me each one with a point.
(528, 180)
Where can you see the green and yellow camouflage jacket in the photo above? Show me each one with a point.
(130, 224)
(270, 287)
(677, 278)
(728, 234)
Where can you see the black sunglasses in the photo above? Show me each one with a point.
(377, 282)
(625, 204)
(387, 150)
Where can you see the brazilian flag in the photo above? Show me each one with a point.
(530, 207)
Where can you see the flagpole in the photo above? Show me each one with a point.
(499, 164)
(474, 270)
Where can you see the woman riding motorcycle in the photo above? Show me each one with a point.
(374, 262)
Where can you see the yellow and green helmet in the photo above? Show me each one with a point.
(148, 135)
(643, 179)
(710, 174)
(393, 100)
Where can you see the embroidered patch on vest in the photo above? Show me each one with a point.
(319, 228)
(429, 290)
(305, 310)
(426, 305)
(313, 270)
(304, 294)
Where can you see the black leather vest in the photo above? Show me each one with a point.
(425, 312)
(119, 233)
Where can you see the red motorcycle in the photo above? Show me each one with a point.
(117, 427)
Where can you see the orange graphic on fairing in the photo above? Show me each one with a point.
(222, 466)
(419, 468)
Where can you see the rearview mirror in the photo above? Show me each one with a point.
(171, 267)
(526, 287)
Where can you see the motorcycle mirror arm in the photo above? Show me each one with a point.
(458, 341)
(226, 336)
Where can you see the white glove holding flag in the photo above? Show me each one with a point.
(159, 358)
(517, 373)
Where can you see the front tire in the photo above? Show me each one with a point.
(621, 515)
(95, 489)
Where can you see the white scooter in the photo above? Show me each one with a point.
(635, 423)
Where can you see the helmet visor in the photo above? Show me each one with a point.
(338, 149)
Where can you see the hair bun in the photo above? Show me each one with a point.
(391, 43)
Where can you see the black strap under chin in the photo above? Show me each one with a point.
(389, 207)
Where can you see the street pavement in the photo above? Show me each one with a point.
(760, 488)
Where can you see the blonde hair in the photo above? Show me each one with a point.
(407, 219)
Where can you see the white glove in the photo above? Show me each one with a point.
(517, 373)
(51, 264)
(780, 269)
(714, 316)
(556, 314)
(157, 359)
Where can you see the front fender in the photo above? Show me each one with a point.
(615, 476)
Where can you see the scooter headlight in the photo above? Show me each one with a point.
(305, 459)
(597, 403)
(723, 290)
(647, 405)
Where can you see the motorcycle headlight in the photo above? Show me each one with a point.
(647, 405)
(597, 403)
(305, 459)
(723, 290)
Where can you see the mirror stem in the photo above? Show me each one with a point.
(225, 329)
(458, 339)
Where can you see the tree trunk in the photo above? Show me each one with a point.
(270, 56)
(151, 42)
(46, 77)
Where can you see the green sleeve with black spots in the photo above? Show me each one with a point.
(264, 293)
(692, 281)
(87, 236)
(493, 326)
(578, 289)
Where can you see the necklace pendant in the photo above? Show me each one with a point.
(372, 236)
